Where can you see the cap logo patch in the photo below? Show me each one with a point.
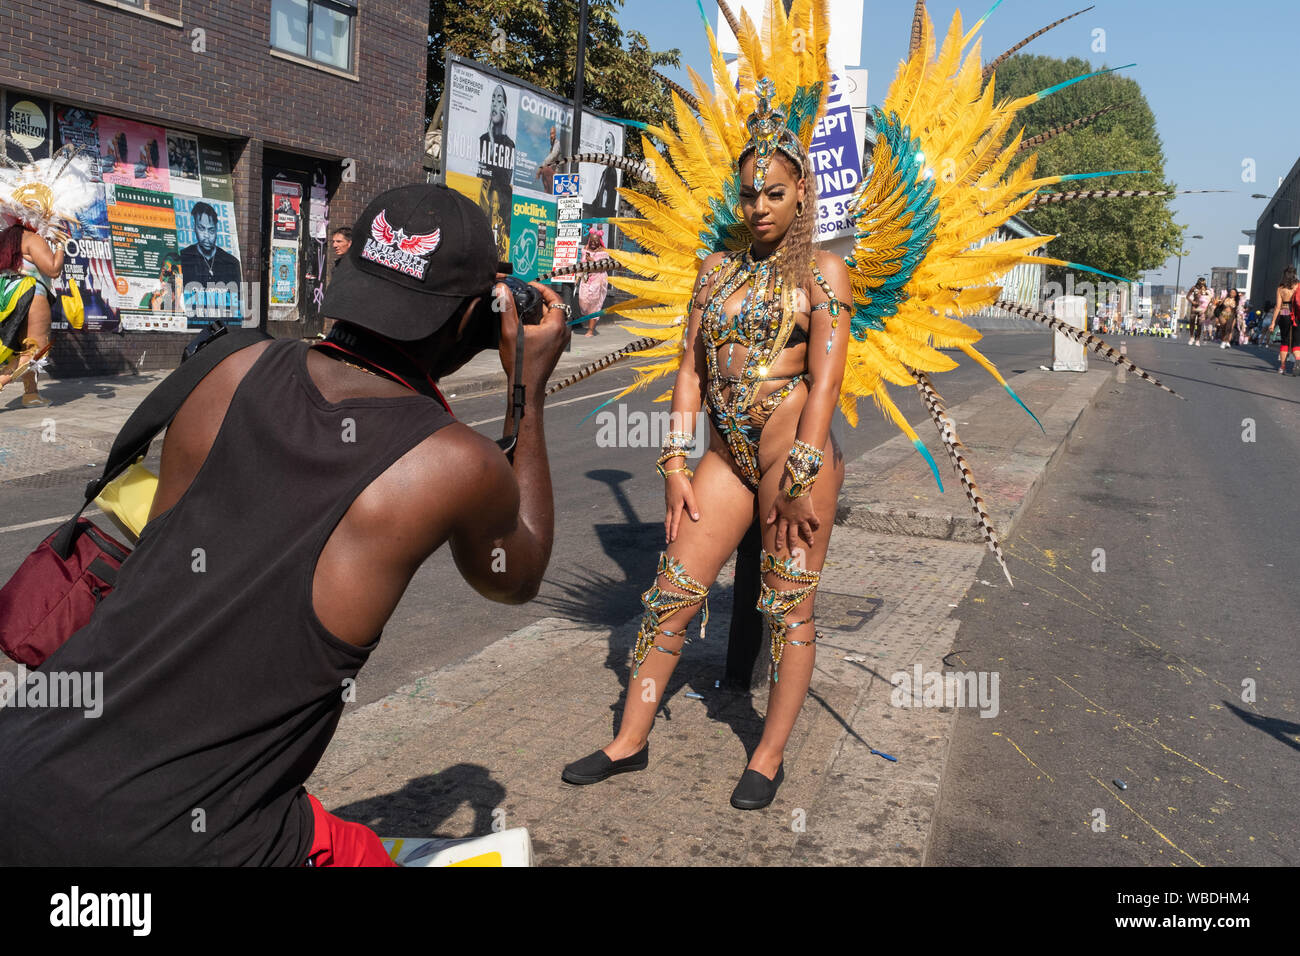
(394, 249)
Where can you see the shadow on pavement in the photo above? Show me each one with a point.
(601, 599)
(424, 804)
(1283, 730)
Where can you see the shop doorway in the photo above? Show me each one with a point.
(295, 247)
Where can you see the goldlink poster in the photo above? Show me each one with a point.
(146, 259)
(502, 138)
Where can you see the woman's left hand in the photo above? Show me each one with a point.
(791, 517)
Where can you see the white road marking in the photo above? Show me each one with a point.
(567, 401)
(90, 512)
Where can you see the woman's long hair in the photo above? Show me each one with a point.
(1288, 278)
(794, 254)
(11, 248)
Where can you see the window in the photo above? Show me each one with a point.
(319, 30)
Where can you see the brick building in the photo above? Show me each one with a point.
(281, 119)
(1277, 239)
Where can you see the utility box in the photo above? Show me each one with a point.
(1067, 354)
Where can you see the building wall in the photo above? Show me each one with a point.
(86, 53)
(1275, 249)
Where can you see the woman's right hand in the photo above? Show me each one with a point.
(680, 497)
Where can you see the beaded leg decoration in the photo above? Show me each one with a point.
(660, 604)
(775, 605)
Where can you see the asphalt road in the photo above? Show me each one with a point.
(609, 529)
(1139, 673)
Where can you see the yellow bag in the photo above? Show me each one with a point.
(128, 498)
(74, 310)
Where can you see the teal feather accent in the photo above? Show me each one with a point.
(803, 107)
(595, 410)
(1079, 265)
(1026, 408)
(1078, 79)
(984, 19)
(699, 5)
(920, 216)
(925, 453)
(1075, 177)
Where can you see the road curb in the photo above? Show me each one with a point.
(1009, 478)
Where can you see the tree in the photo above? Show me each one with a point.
(537, 41)
(1122, 236)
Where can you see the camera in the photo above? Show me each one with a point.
(487, 316)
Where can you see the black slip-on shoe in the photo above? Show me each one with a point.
(755, 791)
(598, 766)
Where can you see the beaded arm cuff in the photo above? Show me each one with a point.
(803, 466)
(676, 445)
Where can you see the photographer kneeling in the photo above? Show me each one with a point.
(301, 488)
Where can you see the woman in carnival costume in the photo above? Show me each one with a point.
(770, 336)
(36, 200)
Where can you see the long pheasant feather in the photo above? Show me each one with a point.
(624, 163)
(988, 70)
(640, 345)
(1035, 141)
(1049, 199)
(680, 90)
(1086, 339)
(948, 432)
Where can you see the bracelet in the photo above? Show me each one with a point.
(677, 471)
(803, 466)
(676, 444)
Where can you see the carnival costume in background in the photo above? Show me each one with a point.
(38, 196)
(936, 189)
(594, 286)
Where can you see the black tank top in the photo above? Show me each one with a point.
(221, 687)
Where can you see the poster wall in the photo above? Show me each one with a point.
(286, 239)
(27, 123)
(135, 154)
(502, 137)
(140, 256)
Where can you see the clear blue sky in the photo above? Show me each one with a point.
(1220, 77)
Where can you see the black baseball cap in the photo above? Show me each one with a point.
(417, 253)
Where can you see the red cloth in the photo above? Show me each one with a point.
(339, 843)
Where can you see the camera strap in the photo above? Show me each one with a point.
(507, 444)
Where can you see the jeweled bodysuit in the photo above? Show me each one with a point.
(762, 327)
(765, 325)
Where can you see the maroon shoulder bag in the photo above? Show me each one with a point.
(56, 589)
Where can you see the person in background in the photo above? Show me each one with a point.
(1198, 300)
(27, 264)
(546, 169)
(1284, 318)
(594, 286)
(341, 242)
(1225, 318)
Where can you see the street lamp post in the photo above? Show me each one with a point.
(1277, 226)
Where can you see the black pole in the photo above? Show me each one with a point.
(575, 142)
(745, 638)
(579, 78)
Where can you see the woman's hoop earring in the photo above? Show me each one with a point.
(798, 209)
